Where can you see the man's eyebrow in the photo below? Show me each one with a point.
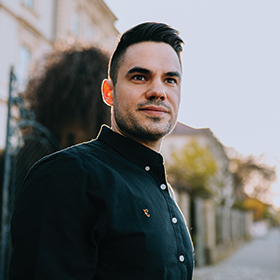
(174, 74)
(138, 70)
(147, 71)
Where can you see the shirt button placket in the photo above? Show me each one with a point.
(174, 220)
(163, 187)
(181, 258)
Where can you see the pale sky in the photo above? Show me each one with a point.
(231, 67)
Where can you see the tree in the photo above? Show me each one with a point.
(251, 177)
(191, 167)
(259, 209)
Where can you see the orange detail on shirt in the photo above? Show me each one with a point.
(146, 211)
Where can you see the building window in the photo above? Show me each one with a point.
(23, 66)
(75, 23)
(29, 4)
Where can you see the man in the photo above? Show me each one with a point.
(103, 209)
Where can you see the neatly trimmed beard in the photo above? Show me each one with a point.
(130, 125)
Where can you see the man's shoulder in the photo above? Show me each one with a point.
(91, 148)
(75, 155)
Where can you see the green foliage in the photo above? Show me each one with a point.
(191, 167)
(239, 205)
(260, 210)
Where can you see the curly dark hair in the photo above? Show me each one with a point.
(65, 94)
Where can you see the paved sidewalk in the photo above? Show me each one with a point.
(256, 260)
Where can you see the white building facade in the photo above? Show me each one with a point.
(30, 28)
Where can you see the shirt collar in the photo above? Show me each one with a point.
(135, 152)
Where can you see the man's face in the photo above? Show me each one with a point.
(146, 96)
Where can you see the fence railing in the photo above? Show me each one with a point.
(216, 230)
(26, 142)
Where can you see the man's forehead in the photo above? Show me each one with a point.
(151, 54)
(149, 45)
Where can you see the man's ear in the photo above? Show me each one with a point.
(107, 90)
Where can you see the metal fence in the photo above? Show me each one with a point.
(26, 142)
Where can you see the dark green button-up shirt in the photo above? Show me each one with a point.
(100, 210)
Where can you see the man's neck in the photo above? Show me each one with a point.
(154, 145)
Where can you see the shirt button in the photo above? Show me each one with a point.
(163, 186)
(174, 220)
(181, 258)
(147, 168)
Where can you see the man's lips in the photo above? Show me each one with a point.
(154, 110)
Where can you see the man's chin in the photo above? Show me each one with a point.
(154, 129)
(155, 133)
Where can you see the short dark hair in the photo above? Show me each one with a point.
(144, 32)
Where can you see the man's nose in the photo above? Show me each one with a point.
(156, 91)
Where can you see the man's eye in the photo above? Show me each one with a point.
(171, 81)
(138, 78)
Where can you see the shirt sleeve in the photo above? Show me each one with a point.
(58, 222)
